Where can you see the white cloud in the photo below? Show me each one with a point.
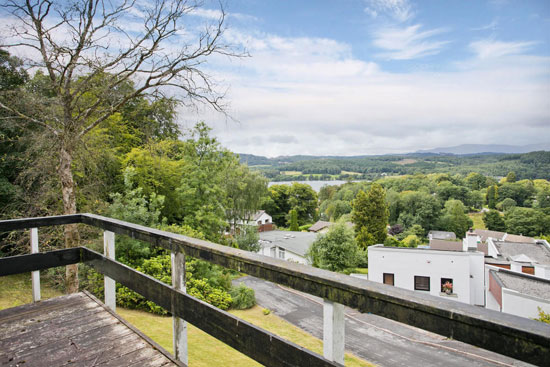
(311, 96)
(489, 48)
(400, 10)
(405, 43)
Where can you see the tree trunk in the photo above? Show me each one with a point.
(72, 237)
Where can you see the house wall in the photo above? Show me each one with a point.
(491, 303)
(523, 305)
(542, 271)
(289, 255)
(406, 263)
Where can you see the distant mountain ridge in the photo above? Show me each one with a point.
(463, 149)
(487, 148)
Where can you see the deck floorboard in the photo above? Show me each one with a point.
(74, 330)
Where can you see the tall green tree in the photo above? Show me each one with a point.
(511, 177)
(454, 218)
(277, 203)
(303, 199)
(527, 221)
(492, 196)
(494, 221)
(370, 216)
(293, 220)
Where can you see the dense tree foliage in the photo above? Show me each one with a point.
(284, 198)
(494, 221)
(336, 250)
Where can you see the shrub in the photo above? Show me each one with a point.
(199, 288)
(243, 297)
(266, 311)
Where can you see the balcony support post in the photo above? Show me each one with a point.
(179, 325)
(35, 275)
(333, 331)
(110, 284)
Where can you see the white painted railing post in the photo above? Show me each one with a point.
(333, 331)
(179, 325)
(35, 275)
(110, 284)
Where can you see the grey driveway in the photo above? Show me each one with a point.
(378, 340)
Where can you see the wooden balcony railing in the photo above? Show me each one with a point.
(506, 334)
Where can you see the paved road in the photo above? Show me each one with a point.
(378, 340)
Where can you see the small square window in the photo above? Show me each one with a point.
(421, 283)
(389, 279)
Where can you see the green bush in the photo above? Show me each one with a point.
(199, 288)
(266, 311)
(243, 297)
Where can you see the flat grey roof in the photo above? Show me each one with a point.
(525, 284)
(297, 242)
(537, 252)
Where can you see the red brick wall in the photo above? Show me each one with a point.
(495, 289)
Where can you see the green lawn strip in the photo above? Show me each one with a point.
(477, 218)
(205, 350)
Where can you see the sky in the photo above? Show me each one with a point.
(363, 77)
(356, 77)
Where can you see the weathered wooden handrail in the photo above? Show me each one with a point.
(506, 334)
(258, 344)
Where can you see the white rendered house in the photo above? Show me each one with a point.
(428, 270)
(286, 245)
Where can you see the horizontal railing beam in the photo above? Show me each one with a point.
(258, 344)
(27, 223)
(503, 333)
(39, 261)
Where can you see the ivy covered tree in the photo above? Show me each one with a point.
(370, 216)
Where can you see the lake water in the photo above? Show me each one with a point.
(315, 185)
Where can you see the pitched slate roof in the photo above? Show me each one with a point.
(537, 252)
(518, 238)
(258, 214)
(442, 235)
(296, 242)
(524, 283)
(319, 225)
(485, 234)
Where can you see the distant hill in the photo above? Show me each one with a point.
(488, 148)
(530, 165)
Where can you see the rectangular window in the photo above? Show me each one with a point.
(447, 285)
(272, 250)
(421, 283)
(388, 279)
(281, 253)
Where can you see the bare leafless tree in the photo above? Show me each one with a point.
(89, 50)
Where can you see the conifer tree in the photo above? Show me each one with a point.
(370, 216)
(492, 196)
(293, 220)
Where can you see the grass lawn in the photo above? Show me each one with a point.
(16, 290)
(291, 173)
(477, 218)
(204, 350)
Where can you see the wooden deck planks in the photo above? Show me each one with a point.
(74, 330)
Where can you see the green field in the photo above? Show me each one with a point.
(204, 350)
